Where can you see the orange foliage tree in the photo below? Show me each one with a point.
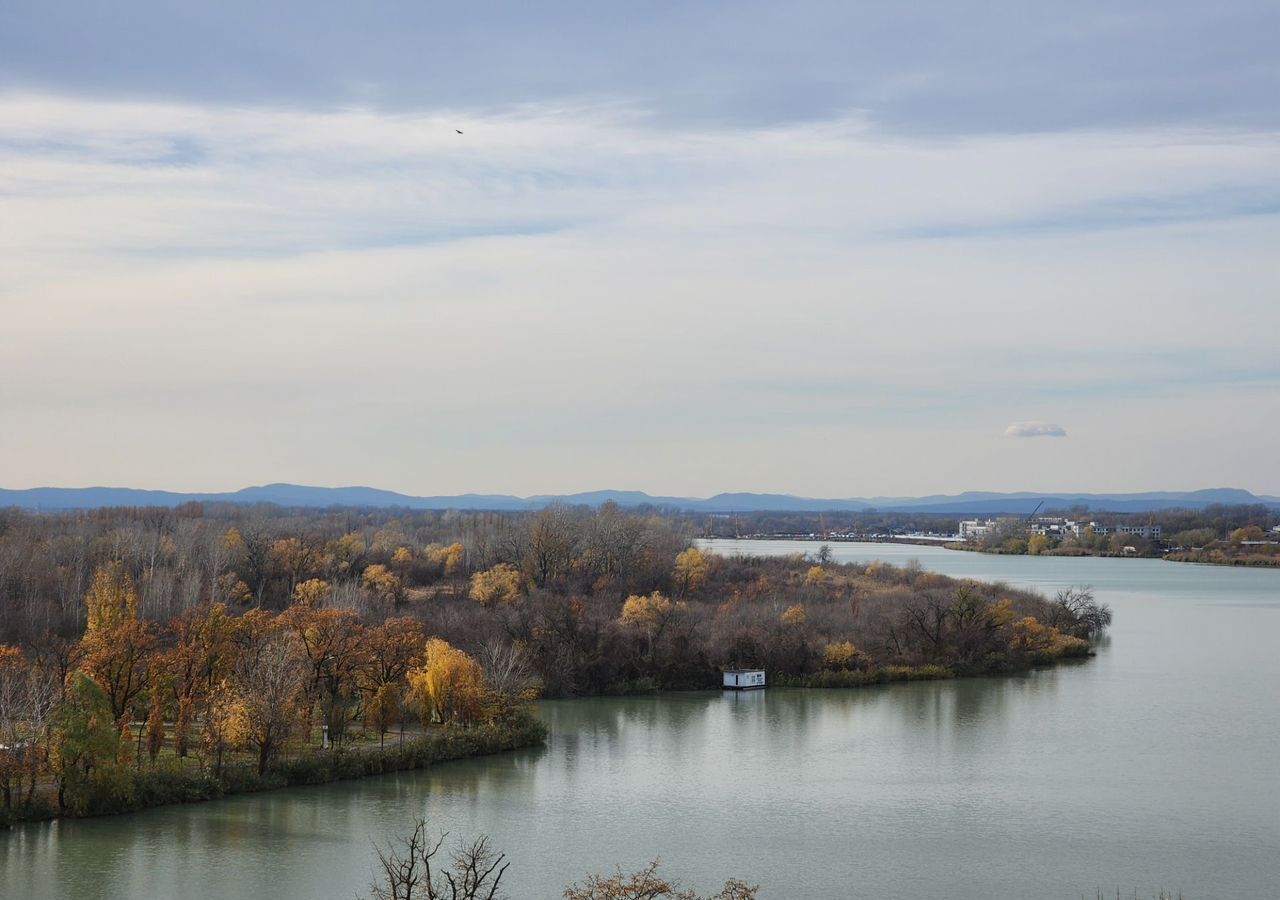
(332, 642)
(390, 651)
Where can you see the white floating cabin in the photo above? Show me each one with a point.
(743, 679)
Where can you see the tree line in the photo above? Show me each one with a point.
(1180, 527)
(85, 716)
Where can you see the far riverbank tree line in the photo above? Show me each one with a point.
(1217, 527)
(227, 639)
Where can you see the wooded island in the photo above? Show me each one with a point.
(165, 655)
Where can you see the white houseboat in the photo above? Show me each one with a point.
(743, 679)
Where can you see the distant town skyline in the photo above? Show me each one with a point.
(827, 250)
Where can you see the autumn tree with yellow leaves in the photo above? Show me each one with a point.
(383, 584)
(649, 613)
(311, 593)
(690, 570)
(448, 561)
(841, 655)
(226, 727)
(347, 554)
(794, 616)
(402, 560)
(118, 649)
(502, 584)
(815, 577)
(1038, 543)
(449, 686)
(199, 657)
(294, 559)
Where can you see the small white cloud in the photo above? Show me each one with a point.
(1034, 429)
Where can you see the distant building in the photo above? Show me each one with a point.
(1050, 527)
(1147, 532)
(973, 529)
(1080, 529)
(1057, 528)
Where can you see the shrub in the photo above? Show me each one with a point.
(842, 655)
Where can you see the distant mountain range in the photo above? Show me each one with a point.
(968, 503)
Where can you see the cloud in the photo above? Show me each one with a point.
(567, 297)
(1034, 429)
(924, 65)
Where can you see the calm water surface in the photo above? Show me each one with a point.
(1157, 764)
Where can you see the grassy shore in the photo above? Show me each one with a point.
(1215, 557)
(1053, 551)
(1226, 558)
(851, 678)
(845, 678)
(174, 780)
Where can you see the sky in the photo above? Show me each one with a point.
(822, 248)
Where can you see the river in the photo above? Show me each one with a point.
(1154, 765)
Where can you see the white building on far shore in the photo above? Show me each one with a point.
(973, 529)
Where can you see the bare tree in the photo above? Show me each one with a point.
(1076, 611)
(43, 696)
(271, 683)
(506, 668)
(553, 539)
(647, 884)
(411, 870)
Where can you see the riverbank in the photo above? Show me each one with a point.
(1055, 551)
(175, 781)
(1201, 557)
(852, 678)
(1226, 558)
(916, 540)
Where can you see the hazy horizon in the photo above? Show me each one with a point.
(825, 250)
(526, 494)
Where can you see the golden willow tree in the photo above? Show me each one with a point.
(449, 686)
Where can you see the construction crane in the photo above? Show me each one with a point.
(1034, 511)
